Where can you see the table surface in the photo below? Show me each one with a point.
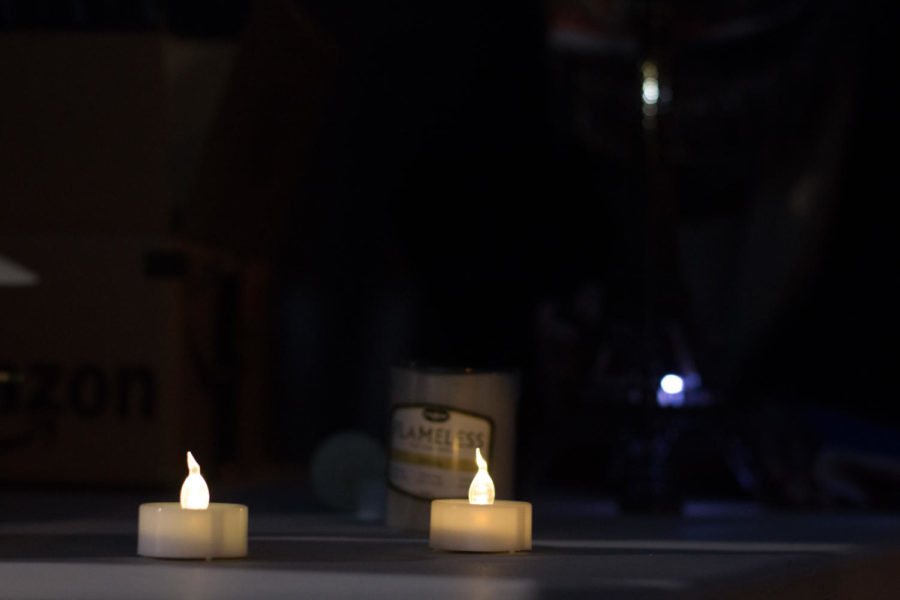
(82, 545)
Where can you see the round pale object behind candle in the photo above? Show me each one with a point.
(504, 526)
(165, 530)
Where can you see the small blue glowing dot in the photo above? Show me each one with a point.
(671, 384)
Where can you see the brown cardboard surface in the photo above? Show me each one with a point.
(197, 71)
(262, 141)
(111, 343)
(82, 134)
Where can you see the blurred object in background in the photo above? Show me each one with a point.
(718, 198)
(860, 479)
(135, 343)
(381, 156)
(205, 19)
(347, 473)
(282, 198)
(262, 136)
(79, 15)
(114, 346)
(254, 194)
(14, 274)
(717, 143)
(83, 147)
(809, 455)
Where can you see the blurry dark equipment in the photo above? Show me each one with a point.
(694, 184)
(718, 143)
(669, 214)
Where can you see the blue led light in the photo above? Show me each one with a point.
(671, 384)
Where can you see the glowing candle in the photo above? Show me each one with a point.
(480, 524)
(194, 527)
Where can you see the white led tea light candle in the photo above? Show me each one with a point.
(480, 524)
(194, 527)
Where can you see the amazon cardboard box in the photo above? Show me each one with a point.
(83, 134)
(117, 355)
(109, 360)
(133, 346)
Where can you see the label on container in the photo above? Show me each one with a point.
(433, 449)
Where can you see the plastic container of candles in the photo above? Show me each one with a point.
(439, 416)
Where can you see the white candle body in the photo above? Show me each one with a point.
(165, 530)
(504, 526)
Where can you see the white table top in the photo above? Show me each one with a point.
(46, 553)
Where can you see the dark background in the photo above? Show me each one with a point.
(479, 184)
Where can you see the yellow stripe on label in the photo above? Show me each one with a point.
(448, 463)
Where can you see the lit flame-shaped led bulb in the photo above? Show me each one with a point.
(481, 491)
(194, 491)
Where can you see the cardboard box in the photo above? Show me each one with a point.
(134, 347)
(262, 143)
(83, 134)
(118, 345)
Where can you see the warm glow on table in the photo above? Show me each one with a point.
(504, 526)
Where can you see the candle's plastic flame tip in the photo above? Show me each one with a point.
(479, 460)
(194, 491)
(193, 465)
(481, 491)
